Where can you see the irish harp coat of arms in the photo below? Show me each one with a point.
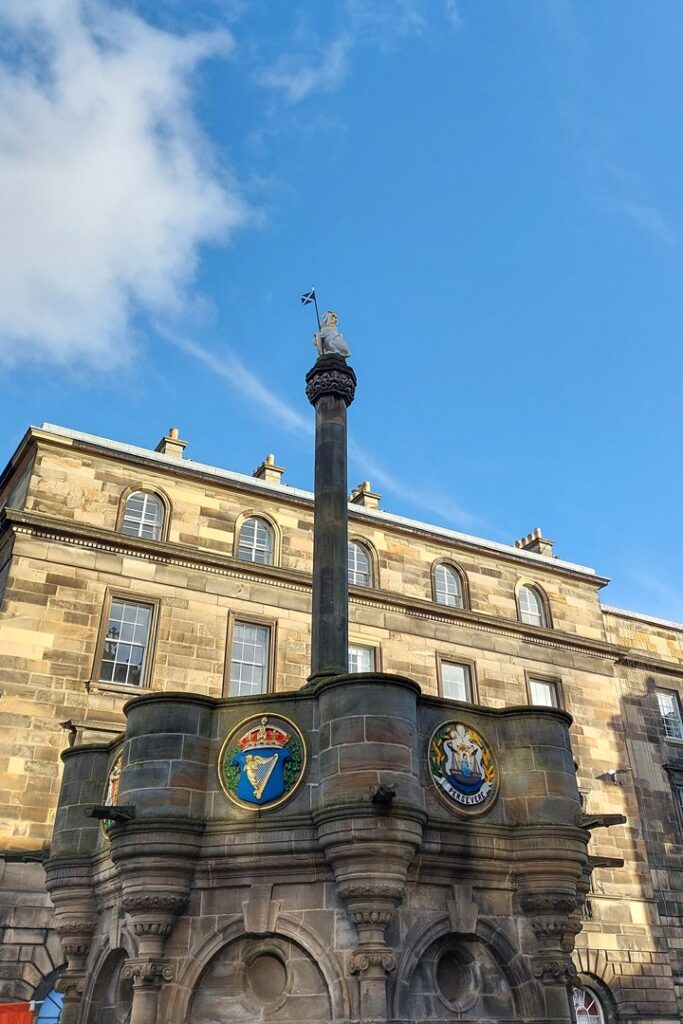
(262, 762)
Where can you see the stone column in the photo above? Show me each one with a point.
(330, 388)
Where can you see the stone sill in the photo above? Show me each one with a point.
(124, 689)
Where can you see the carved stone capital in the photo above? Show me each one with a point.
(71, 984)
(145, 971)
(362, 959)
(548, 913)
(331, 376)
(553, 970)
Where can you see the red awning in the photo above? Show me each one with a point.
(16, 1013)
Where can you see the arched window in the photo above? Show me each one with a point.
(531, 606)
(143, 516)
(448, 586)
(256, 541)
(587, 1007)
(359, 565)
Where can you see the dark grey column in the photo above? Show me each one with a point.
(330, 387)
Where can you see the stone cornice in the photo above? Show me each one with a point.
(186, 556)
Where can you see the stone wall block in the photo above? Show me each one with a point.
(85, 776)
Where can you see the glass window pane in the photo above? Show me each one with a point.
(448, 586)
(358, 564)
(256, 541)
(143, 516)
(361, 659)
(531, 607)
(543, 693)
(456, 681)
(125, 647)
(249, 659)
(669, 709)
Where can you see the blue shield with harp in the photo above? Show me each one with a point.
(261, 778)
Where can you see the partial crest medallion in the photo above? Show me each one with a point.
(463, 768)
(262, 762)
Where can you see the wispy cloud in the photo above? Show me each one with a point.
(381, 24)
(646, 217)
(107, 185)
(297, 77)
(615, 187)
(668, 598)
(227, 365)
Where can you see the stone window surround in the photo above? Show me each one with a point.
(256, 620)
(677, 700)
(276, 534)
(544, 677)
(115, 594)
(462, 575)
(156, 492)
(373, 562)
(457, 660)
(524, 582)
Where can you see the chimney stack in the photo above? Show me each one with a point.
(268, 471)
(536, 542)
(172, 444)
(365, 496)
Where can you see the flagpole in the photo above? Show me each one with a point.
(315, 299)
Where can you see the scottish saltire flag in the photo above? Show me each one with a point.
(308, 297)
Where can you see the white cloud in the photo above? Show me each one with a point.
(646, 217)
(107, 186)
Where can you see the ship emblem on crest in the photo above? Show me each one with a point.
(463, 768)
(262, 762)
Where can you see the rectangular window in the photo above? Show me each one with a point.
(4, 575)
(670, 710)
(678, 790)
(126, 642)
(249, 659)
(544, 693)
(361, 659)
(456, 681)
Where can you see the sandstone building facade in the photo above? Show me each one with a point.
(128, 572)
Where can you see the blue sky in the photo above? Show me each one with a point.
(487, 192)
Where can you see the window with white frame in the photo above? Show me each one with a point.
(531, 609)
(448, 586)
(587, 1006)
(361, 659)
(360, 572)
(670, 710)
(256, 541)
(126, 641)
(544, 693)
(678, 792)
(456, 681)
(143, 516)
(249, 659)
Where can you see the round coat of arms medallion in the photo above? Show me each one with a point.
(262, 762)
(463, 768)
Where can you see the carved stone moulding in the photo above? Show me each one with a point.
(331, 376)
(548, 913)
(146, 903)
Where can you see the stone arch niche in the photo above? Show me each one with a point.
(111, 997)
(458, 977)
(260, 979)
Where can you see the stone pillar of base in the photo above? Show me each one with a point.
(148, 975)
(330, 387)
